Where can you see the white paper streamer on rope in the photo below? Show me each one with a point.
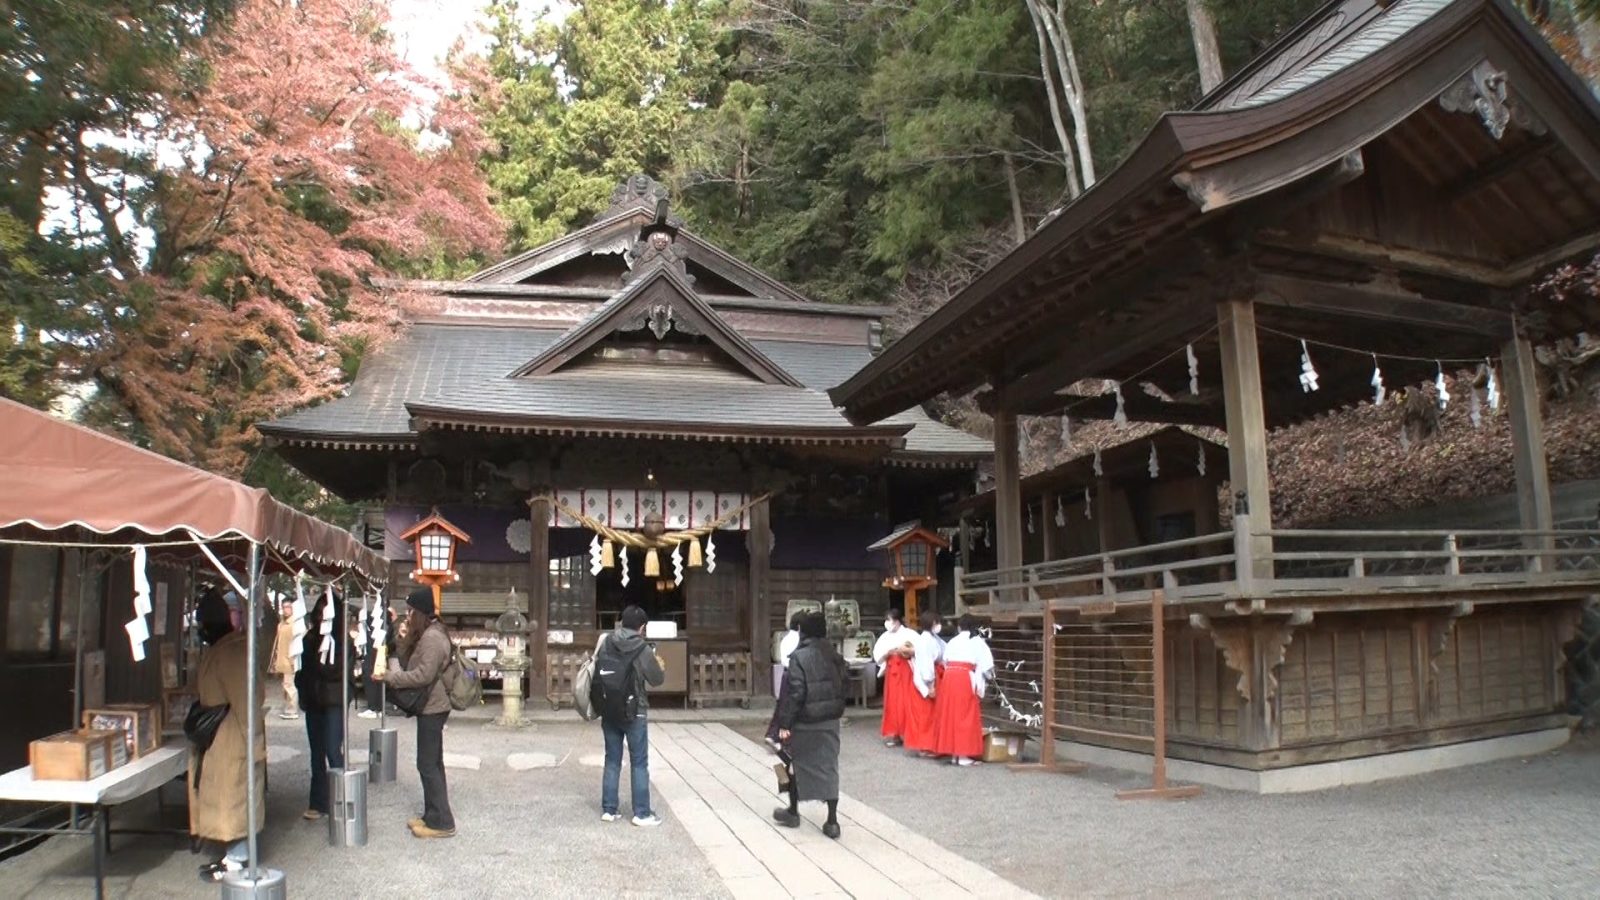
(595, 556)
(1194, 370)
(1493, 387)
(1030, 520)
(1098, 469)
(1308, 372)
(361, 622)
(1474, 408)
(677, 564)
(1061, 512)
(988, 539)
(1120, 417)
(1441, 387)
(711, 555)
(1066, 432)
(622, 562)
(378, 625)
(1378, 390)
(1087, 505)
(329, 649)
(1155, 462)
(297, 622)
(1029, 719)
(138, 629)
(1201, 463)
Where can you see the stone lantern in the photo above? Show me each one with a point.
(511, 658)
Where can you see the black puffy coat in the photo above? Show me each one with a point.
(814, 684)
(317, 682)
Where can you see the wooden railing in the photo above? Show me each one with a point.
(1301, 562)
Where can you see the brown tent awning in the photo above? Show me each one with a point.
(55, 475)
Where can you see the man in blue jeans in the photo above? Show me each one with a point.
(627, 641)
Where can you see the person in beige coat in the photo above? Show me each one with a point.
(425, 654)
(282, 664)
(217, 805)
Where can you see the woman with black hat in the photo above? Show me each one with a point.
(423, 655)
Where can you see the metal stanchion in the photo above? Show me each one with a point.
(347, 787)
(383, 743)
(253, 881)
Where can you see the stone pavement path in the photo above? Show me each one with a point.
(722, 789)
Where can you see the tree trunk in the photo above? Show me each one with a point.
(1048, 71)
(1080, 114)
(1203, 28)
(1018, 224)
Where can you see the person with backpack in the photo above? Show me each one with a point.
(424, 655)
(808, 723)
(625, 666)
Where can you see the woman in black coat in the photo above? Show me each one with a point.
(808, 723)
(320, 682)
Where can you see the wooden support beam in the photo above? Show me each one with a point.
(1381, 303)
(1007, 492)
(1139, 407)
(1047, 521)
(1247, 440)
(539, 590)
(760, 600)
(1527, 435)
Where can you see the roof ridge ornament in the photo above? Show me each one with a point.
(1486, 91)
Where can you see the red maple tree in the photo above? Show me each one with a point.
(313, 160)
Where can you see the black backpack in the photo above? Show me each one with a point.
(614, 689)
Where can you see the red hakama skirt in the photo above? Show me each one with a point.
(919, 715)
(958, 724)
(897, 686)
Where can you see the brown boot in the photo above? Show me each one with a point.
(414, 824)
(423, 831)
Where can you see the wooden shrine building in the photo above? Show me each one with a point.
(626, 369)
(1369, 203)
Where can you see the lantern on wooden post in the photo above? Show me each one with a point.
(912, 553)
(433, 542)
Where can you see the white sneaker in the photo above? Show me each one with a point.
(966, 761)
(649, 821)
(288, 715)
(610, 817)
(367, 714)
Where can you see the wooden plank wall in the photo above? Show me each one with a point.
(865, 586)
(1203, 702)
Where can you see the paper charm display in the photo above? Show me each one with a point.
(138, 629)
(1378, 391)
(596, 563)
(329, 648)
(297, 622)
(711, 555)
(1308, 372)
(378, 625)
(677, 564)
(622, 565)
(1443, 389)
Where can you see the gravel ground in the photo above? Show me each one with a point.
(1520, 827)
(530, 833)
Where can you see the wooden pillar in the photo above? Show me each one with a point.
(760, 601)
(1007, 492)
(1247, 440)
(1047, 521)
(1101, 510)
(539, 592)
(963, 565)
(1527, 436)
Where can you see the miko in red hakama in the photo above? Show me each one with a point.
(958, 723)
(897, 691)
(919, 715)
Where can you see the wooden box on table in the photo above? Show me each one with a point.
(140, 721)
(77, 755)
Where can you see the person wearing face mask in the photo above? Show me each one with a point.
(892, 653)
(968, 665)
(217, 804)
(926, 663)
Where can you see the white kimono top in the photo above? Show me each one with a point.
(929, 649)
(889, 642)
(967, 647)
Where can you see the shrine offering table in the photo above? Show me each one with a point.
(142, 776)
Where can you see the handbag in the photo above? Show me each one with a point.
(200, 727)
